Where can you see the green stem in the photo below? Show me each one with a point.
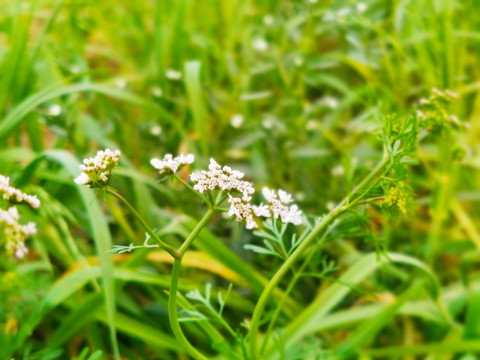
(187, 185)
(290, 287)
(142, 222)
(188, 241)
(172, 299)
(173, 313)
(346, 204)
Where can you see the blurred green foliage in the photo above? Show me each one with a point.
(297, 94)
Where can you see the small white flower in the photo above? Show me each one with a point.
(242, 210)
(292, 215)
(451, 94)
(330, 205)
(277, 204)
(268, 19)
(338, 170)
(15, 233)
(261, 210)
(29, 229)
(361, 7)
(14, 195)
(96, 171)
(331, 102)
(260, 44)
(169, 164)
(121, 83)
(218, 178)
(55, 110)
(173, 74)
(268, 194)
(82, 179)
(236, 121)
(156, 130)
(157, 91)
(284, 197)
(21, 250)
(298, 61)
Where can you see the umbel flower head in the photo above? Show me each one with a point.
(243, 210)
(278, 206)
(97, 170)
(14, 195)
(226, 179)
(170, 165)
(16, 233)
(218, 178)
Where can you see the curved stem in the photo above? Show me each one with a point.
(290, 287)
(187, 185)
(364, 187)
(188, 241)
(172, 299)
(173, 314)
(142, 222)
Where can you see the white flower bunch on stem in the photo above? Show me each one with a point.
(278, 206)
(226, 179)
(16, 196)
(16, 233)
(97, 170)
(170, 165)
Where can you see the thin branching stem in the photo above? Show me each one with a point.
(142, 222)
(363, 188)
(172, 299)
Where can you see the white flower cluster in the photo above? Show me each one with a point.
(223, 179)
(16, 233)
(96, 171)
(218, 178)
(14, 195)
(278, 206)
(170, 165)
(243, 210)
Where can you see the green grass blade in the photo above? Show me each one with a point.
(101, 236)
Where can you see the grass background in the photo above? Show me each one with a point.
(313, 82)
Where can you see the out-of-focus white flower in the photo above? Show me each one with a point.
(157, 91)
(173, 74)
(292, 215)
(97, 170)
(338, 170)
(14, 195)
(330, 205)
(156, 130)
(311, 125)
(268, 19)
(15, 233)
(260, 44)
(298, 61)
(361, 7)
(236, 120)
(121, 83)
(261, 210)
(75, 69)
(277, 204)
(451, 94)
(218, 178)
(55, 110)
(330, 101)
(268, 122)
(170, 165)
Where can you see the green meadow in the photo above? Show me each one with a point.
(294, 180)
